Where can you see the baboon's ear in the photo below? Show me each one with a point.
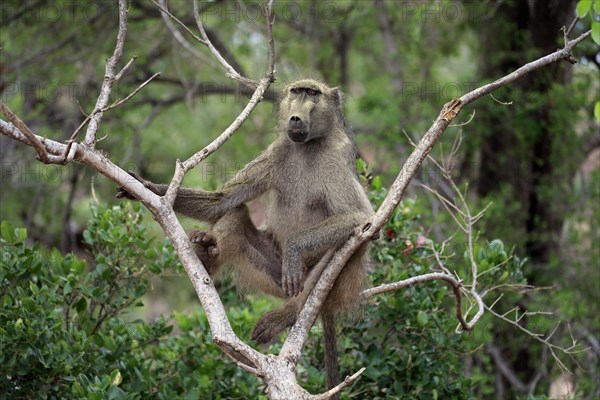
(338, 97)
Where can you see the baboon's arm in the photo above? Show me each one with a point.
(249, 183)
(331, 233)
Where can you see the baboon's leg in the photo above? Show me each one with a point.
(328, 234)
(235, 241)
(274, 322)
(344, 296)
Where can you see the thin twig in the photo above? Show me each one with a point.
(111, 106)
(348, 380)
(130, 95)
(568, 31)
(464, 123)
(164, 10)
(125, 68)
(504, 103)
(538, 336)
(167, 16)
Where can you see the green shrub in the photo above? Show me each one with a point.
(66, 329)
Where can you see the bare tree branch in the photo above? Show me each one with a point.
(540, 337)
(441, 276)
(109, 78)
(224, 50)
(558, 55)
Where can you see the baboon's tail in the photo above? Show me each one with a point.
(332, 365)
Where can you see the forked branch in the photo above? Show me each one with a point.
(181, 168)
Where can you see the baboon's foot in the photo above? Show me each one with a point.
(205, 246)
(272, 324)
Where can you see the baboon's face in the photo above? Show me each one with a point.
(307, 111)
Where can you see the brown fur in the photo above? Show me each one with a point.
(315, 201)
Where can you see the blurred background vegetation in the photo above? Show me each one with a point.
(533, 151)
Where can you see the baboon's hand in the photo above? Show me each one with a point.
(123, 193)
(292, 275)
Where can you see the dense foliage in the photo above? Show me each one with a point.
(66, 328)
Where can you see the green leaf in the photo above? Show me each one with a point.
(81, 305)
(115, 377)
(484, 265)
(596, 31)
(376, 184)
(78, 266)
(422, 318)
(597, 110)
(583, 7)
(360, 164)
(87, 237)
(496, 246)
(67, 289)
(8, 232)
(21, 235)
(481, 254)
(115, 393)
(192, 395)
(33, 288)
(101, 269)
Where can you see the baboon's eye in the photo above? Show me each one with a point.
(295, 90)
(312, 92)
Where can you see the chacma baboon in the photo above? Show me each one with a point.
(315, 201)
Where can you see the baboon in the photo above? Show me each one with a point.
(315, 201)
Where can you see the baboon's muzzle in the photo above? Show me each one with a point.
(297, 130)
